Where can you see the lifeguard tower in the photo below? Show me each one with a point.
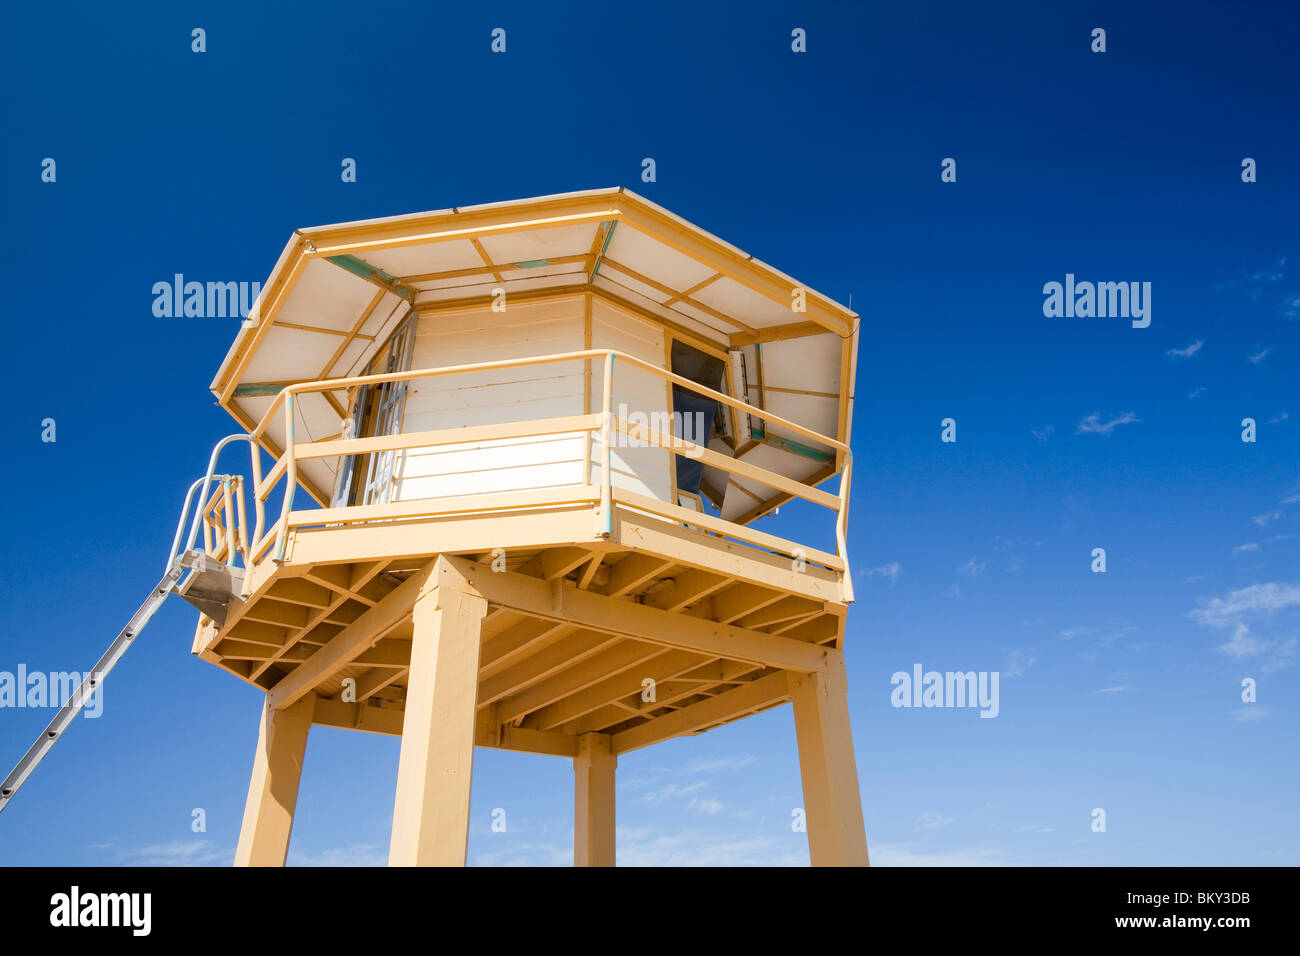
(517, 454)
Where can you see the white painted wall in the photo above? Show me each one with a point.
(525, 329)
(642, 470)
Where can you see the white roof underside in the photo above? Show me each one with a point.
(332, 321)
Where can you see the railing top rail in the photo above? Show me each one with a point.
(331, 384)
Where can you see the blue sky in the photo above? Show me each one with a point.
(1119, 691)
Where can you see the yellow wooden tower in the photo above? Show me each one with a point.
(517, 453)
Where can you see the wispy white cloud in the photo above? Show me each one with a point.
(706, 805)
(718, 765)
(1243, 548)
(894, 854)
(932, 821)
(1093, 425)
(1197, 392)
(1018, 663)
(526, 854)
(1266, 517)
(1257, 357)
(1252, 284)
(673, 790)
(1044, 433)
(889, 571)
(689, 846)
(1185, 353)
(1250, 712)
(972, 568)
(197, 852)
(351, 854)
(1279, 418)
(1242, 610)
(1242, 644)
(1256, 601)
(1118, 689)
(1105, 635)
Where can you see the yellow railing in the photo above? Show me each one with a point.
(224, 524)
(599, 426)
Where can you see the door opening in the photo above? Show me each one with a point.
(694, 414)
(377, 410)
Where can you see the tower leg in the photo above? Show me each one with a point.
(832, 804)
(434, 770)
(593, 801)
(273, 789)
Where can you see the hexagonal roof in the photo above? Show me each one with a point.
(337, 291)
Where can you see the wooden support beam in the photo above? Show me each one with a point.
(273, 789)
(374, 719)
(724, 557)
(247, 651)
(515, 643)
(624, 618)
(255, 632)
(349, 643)
(742, 599)
(270, 611)
(776, 333)
(668, 693)
(589, 572)
(435, 767)
(634, 571)
(300, 591)
(548, 662)
(747, 699)
(620, 657)
(593, 801)
(667, 664)
(555, 563)
(779, 612)
(688, 587)
(376, 679)
(832, 804)
(352, 581)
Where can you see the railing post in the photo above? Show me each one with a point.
(842, 530)
(290, 477)
(241, 519)
(228, 507)
(259, 503)
(606, 439)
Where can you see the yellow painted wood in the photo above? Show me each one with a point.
(435, 768)
(349, 643)
(449, 436)
(760, 538)
(625, 618)
(832, 804)
(273, 789)
(593, 801)
(746, 699)
(777, 333)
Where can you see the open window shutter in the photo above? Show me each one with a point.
(343, 479)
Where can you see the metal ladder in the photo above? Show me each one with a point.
(211, 587)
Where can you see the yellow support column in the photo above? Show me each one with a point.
(832, 804)
(593, 801)
(273, 789)
(434, 770)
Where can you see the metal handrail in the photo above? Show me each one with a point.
(206, 483)
(287, 465)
